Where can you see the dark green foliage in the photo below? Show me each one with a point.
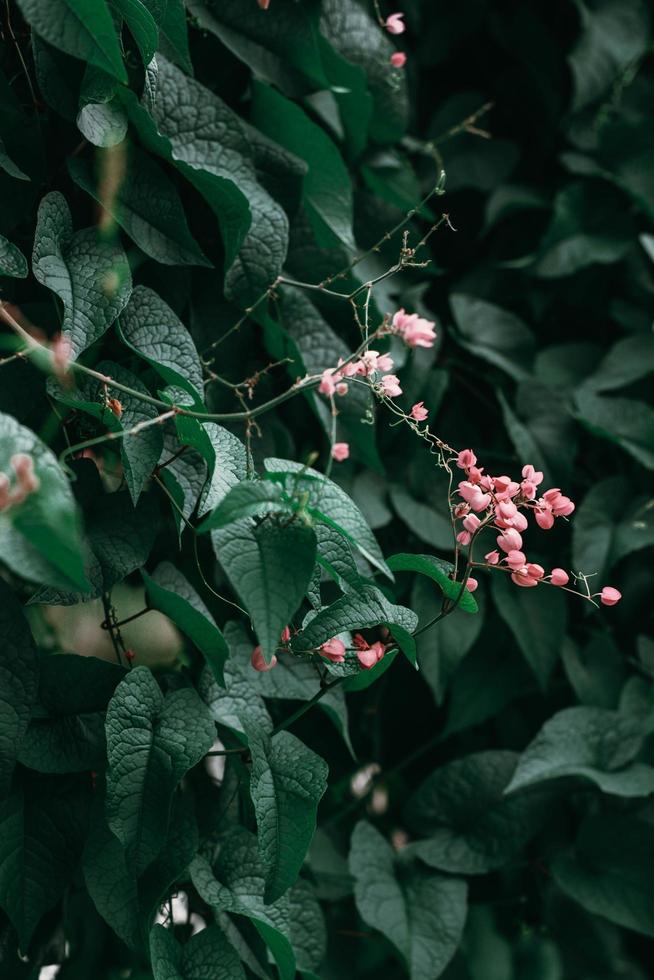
(206, 199)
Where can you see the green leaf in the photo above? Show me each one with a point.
(8, 165)
(614, 36)
(207, 954)
(609, 871)
(284, 49)
(269, 568)
(71, 743)
(308, 929)
(494, 334)
(354, 34)
(126, 905)
(147, 206)
(40, 538)
(609, 523)
(173, 34)
(193, 129)
(327, 192)
(155, 333)
(361, 610)
(624, 421)
(473, 827)
(590, 743)
(152, 741)
(630, 359)
(104, 124)
(168, 591)
(42, 828)
(140, 451)
(19, 672)
(85, 31)
(443, 647)
(235, 882)
(427, 523)
(90, 276)
(421, 913)
(239, 704)
(536, 621)
(437, 570)
(251, 498)
(335, 556)
(228, 466)
(12, 261)
(326, 502)
(142, 26)
(287, 782)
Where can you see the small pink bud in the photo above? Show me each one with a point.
(130, 655)
(471, 523)
(341, 388)
(609, 596)
(472, 584)
(465, 459)
(258, 662)
(492, 557)
(390, 386)
(511, 540)
(367, 658)
(334, 650)
(516, 560)
(464, 538)
(395, 24)
(398, 59)
(340, 451)
(285, 635)
(419, 412)
(264, 4)
(559, 577)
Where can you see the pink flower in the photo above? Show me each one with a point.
(510, 540)
(544, 517)
(285, 635)
(505, 487)
(328, 384)
(522, 577)
(258, 662)
(395, 24)
(516, 560)
(464, 538)
(532, 475)
(264, 4)
(559, 577)
(390, 385)
(561, 506)
(348, 370)
(398, 59)
(471, 523)
(334, 650)
(465, 459)
(414, 330)
(419, 412)
(371, 655)
(461, 510)
(340, 451)
(609, 596)
(473, 495)
(367, 658)
(472, 584)
(373, 361)
(341, 388)
(492, 557)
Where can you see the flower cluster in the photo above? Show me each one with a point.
(502, 503)
(368, 654)
(415, 331)
(26, 482)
